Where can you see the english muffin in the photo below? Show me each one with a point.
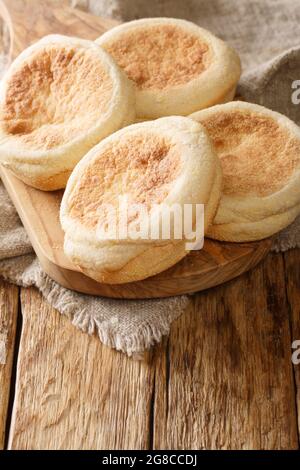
(259, 151)
(59, 98)
(178, 67)
(157, 164)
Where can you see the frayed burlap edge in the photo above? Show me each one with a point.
(154, 322)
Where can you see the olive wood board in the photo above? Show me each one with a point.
(215, 264)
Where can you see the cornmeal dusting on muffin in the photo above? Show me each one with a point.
(140, 166)
(160, 56)
(257, 155)
(58, 93)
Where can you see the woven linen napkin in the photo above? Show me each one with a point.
(265, 35)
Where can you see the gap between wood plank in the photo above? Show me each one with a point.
(73, 392)
(9, 295)
(231, 378)
(14, 371)
(152, 415)
(212, 315)
(294, 335)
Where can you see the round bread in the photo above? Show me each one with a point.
(59, 98)
(249, 231)
(259, 151)
(155, 163)
(178, 67)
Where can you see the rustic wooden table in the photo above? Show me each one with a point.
(222, 379)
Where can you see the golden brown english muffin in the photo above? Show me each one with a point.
(259, 151)
(59, 98)
(178, 67)
(156, 164)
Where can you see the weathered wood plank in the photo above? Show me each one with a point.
(8, 320)
(292, 274)
(224, 379)
(71, 391)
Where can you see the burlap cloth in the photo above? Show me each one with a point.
(265, 34)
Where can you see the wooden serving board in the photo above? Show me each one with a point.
(216, 263)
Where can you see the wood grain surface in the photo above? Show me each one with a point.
(226, 379)
(67, 384)
(29, 20)
(223, 379)
(9, 298)
(292, 277)
(215, 264)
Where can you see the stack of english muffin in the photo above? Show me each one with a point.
(146, 112)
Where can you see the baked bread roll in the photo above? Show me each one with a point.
(155, 163)
(259, 151)
(59, 98)
(178, 67)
